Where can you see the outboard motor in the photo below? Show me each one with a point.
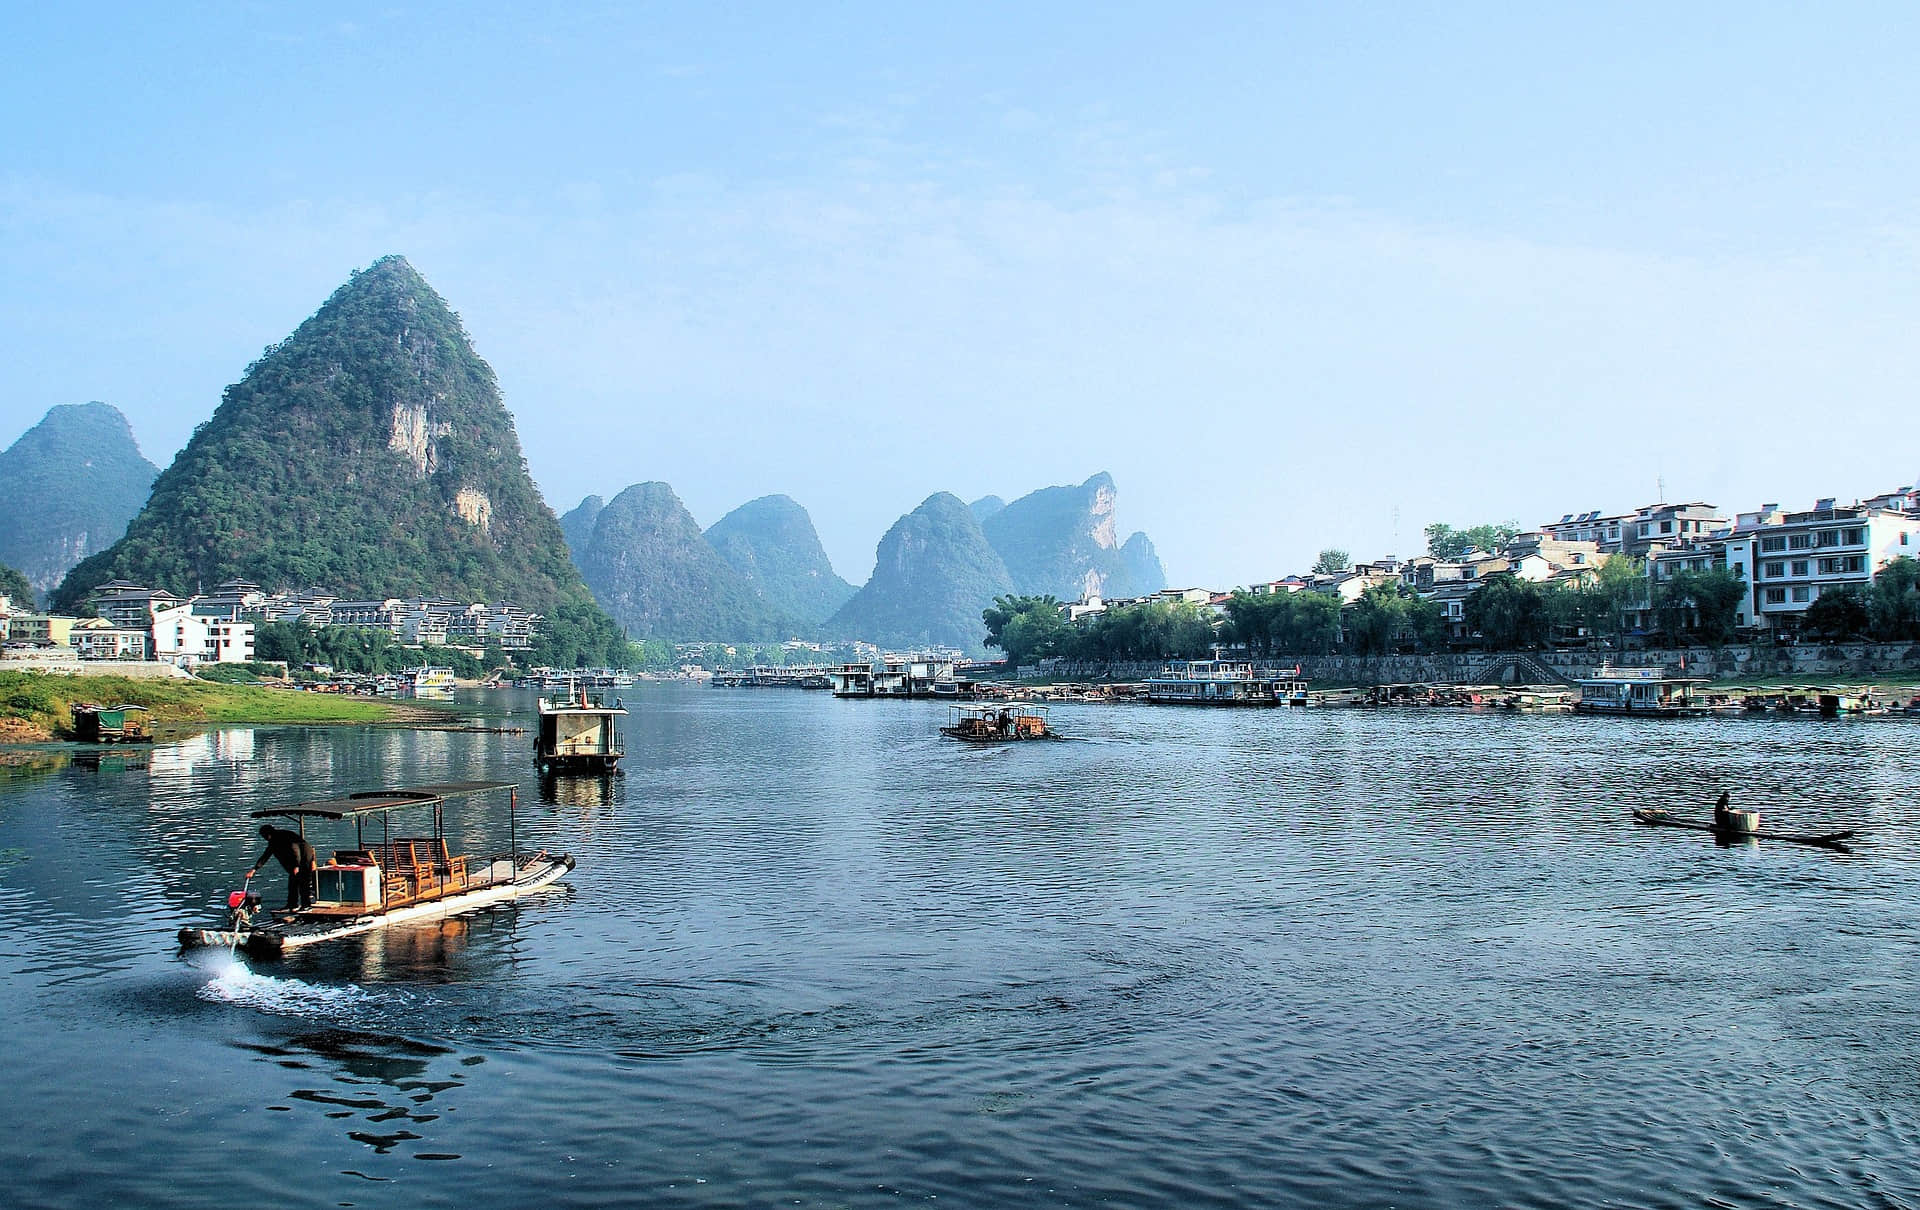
(241, 907)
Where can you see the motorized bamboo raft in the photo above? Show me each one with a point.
(386, 877)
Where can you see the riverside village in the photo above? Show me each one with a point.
(1678, 593)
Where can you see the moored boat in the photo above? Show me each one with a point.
(1225, 683)
(578, 734)
(997, 723)
(1641, 693)
(126, 724)
(384, 878)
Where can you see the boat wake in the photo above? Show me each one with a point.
(234, 982)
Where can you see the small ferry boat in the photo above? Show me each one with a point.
(997, 723)
(384, 878)
(1225, 683)
(431, 683)
(1641, 693)
(578, 734)
(111, 724)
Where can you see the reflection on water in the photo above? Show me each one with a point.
(814, 953)
(577, 790)
(384, 1086)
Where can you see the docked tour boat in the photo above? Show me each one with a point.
(384, 878)
(1005, 723)
(1640, 692)
(1226, 683)
(578, 734)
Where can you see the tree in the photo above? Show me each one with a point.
(1619, 584)
(1374, 622)
(1840, 612)
(1510, 613)
(1450, 545)
(1894, 604)
(1332, 561)
(1704, 602)
(1026, 628)
(14, 586)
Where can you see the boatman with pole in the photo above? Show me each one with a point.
(298, 859)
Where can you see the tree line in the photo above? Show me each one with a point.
(1504, 613)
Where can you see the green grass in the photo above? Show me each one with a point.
(45, 701)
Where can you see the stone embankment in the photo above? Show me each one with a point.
(1810, 662)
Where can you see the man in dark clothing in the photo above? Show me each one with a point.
(1723, 818)
(296, 856)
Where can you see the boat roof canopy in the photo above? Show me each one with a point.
(375, 802)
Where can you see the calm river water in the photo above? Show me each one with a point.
(814, 955)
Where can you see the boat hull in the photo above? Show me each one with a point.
(273, 940)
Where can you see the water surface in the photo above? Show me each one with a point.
(814, 955)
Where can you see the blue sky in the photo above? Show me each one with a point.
(1296, 275)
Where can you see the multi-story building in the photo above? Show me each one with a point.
(105, 641)
(1794, 557)
(1640, 531)
(187, 636)
(131, 606)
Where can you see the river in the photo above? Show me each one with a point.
(814, 955)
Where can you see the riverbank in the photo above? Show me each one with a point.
(36, 707)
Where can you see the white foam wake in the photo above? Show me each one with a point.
(234, 982)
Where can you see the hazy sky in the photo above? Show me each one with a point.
(1298, 275)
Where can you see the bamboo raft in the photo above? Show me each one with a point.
(1661, 818)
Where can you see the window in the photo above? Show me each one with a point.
(1666, 527)
(1800, 541)
(1776, 596)
(1855, 537)
(1799, 567)
(1774, 570)
(1828, 537)
(1770, 545)
(1740, 569)
(1802, 594)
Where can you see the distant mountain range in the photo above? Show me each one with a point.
(370, 453)
(68, 487)
(760, 572)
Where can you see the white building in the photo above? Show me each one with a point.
(1789, 559)
(185, 637)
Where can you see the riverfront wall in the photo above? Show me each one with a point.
(1809, 662)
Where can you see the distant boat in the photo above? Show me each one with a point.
(578, 734)
(112, 724)
(432, 683)
(1640, 693)
(1225, 683)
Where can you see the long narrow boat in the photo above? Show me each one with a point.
(385, 878)
(1659, 817)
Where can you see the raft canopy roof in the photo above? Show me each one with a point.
(376, 802)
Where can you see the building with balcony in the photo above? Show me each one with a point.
(1794, 557)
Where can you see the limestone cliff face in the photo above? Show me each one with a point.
(652, 569)
(1065, 541)
(369, 452)
(934, 573)
(68, 487)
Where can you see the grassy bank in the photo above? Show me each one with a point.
(39, 705)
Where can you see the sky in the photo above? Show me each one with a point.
(1297, 275)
